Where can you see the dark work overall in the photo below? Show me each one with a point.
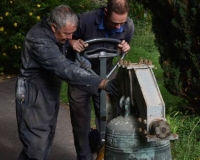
(37, 117)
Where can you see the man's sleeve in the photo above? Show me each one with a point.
(50, 58)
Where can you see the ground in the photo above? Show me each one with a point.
(4, 77)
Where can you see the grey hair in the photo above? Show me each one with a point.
(62, 15)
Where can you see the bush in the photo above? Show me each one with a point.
(176, 27)
(18, 16)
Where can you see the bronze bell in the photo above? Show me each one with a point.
(124, 142)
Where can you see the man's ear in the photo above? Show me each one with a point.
(53, 28)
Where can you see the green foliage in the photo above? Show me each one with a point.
(63, 93)
(187, 147)
(143, 37)
(176, 27)
(17, 17)
(136, 10)
(85, 5)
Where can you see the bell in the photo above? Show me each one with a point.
(141, 131)
(123, 140)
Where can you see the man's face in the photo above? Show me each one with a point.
(114, 21)
(65, 33)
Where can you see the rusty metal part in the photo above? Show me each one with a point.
(138, 82)
(160, 128)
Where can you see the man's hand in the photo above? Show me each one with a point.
(124, 46)
(78, 45)
(111, 86)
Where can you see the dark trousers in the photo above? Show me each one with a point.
(36, 119)
(80, 110)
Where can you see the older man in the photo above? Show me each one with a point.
(44, 66)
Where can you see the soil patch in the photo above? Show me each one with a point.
(5, 77)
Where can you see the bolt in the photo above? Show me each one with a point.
(140, 119)
(163, 129)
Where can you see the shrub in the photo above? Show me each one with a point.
(176, 27)
(18, 16)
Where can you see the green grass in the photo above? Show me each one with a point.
(187, 147)
(187, 126)
(63, 93)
